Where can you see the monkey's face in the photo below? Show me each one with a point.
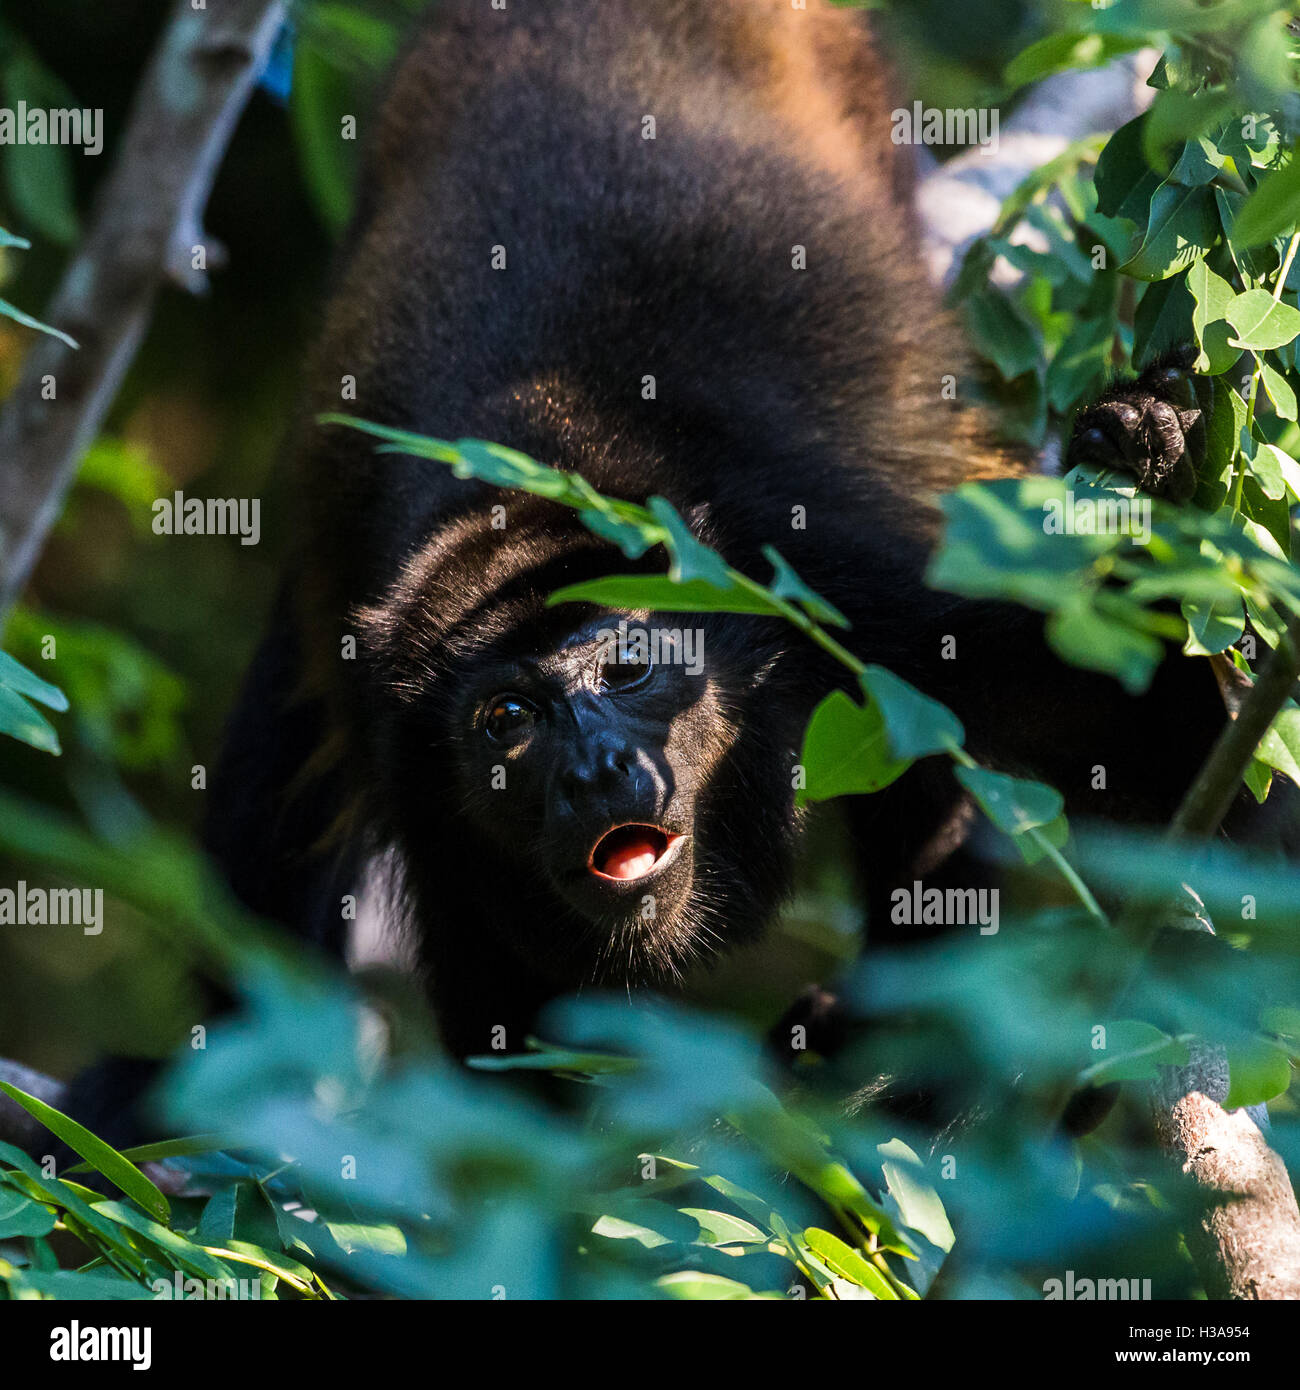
(607, 795)
(584, 760)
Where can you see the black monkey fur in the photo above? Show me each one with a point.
(780, 392)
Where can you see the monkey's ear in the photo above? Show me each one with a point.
(699, 519)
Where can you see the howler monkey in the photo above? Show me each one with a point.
(671, 246)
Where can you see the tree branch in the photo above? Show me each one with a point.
(1246, 1243)
(1219, 780)
(147, 224)
(17, 1127)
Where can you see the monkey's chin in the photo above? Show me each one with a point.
(639, 901)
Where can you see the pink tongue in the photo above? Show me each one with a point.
(630, 859)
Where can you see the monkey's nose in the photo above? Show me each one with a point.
(597, 767)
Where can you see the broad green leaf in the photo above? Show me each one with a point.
(1258, 1071)
(1280, 746)
(848, 1263)
(38, 178)
(1133, 1051)
(1001, 334)
(101, 1156)
(694, 1284)
(1061, 52)
(616, 1228)
(1011, 803)
(1122, 171)
(846, 751)
(1082, 362)
(690, 558)
(1279, 390)
(21, 1215)
(1281, 470)
(1261, 321)
(1272, 210)
(721, 1228)
(1183, 226)
(72, 1286)
(915, 724)
(1085, 636)
(1163, 319)
(1213, 295)
(919, 1206)
(1212, 627)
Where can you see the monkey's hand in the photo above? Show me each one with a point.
(1151, 428)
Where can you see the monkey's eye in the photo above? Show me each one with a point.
(623, 670)
(509, 719)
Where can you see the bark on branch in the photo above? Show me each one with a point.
(1246, 1243)
(147, 223)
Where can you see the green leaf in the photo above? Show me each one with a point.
(1014, 805)
(690, 558)
(1133, 1051)
(1261, 321)
(1082, 362)
(321, 97)
(721, 1228)
(17, 677)
(1258, 1071)
(1213, 295)
(177, 1248)
(1061, 52)
(9, 241)
(1272, 210)
(661, 594)
(1164, 318)
(689, 1283)
(919, 1205)
(19, 720)
(1001, 334)
(1280, 746)
(846, 751)
(1121, 170)
(1084, 636)
(1200, 162)
(101, 1156)
(166, 1148)
(1282, 470)
(1279, 390)
(1182, 227)
(12, 311)
(786, 584)
(848, 1263)
(72, 1286)
(617, 1228)
(38, 178)
(21, 1215)
(1212, 627)
(915, 724)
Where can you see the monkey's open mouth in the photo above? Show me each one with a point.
(630, 852)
